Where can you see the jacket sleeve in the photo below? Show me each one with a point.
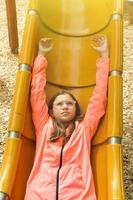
(97, 103)
(38, 96)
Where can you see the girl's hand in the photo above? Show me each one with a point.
(45, 46)
(100, 44)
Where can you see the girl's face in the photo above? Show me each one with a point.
(64, 108)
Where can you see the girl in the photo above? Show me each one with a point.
(62, 168)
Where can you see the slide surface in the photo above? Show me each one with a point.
(71, 68)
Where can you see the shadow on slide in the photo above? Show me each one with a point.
(72, 68)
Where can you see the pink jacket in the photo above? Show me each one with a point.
(64, 173)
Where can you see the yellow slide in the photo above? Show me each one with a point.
(71, 67)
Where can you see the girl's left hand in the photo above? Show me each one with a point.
(101, 44)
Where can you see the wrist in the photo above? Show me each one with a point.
(104, 54)
(41, 53)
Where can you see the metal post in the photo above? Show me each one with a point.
(130, 2)
(3, 196)
(12, 25)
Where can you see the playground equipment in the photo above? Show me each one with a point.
(71, 68)
(130, 3)
(12, 25)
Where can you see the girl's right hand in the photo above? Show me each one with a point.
(45, 46)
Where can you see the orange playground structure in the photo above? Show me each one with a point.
(72, 68)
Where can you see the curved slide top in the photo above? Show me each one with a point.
(72, 68)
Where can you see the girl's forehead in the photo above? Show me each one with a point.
(63, 97)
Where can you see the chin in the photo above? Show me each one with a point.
(66, 120)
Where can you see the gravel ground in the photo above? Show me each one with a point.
(128, 108)
(8, 67)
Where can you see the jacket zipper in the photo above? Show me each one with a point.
(58, 173)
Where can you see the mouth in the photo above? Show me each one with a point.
(65, 113)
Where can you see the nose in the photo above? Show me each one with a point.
(64, 105)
